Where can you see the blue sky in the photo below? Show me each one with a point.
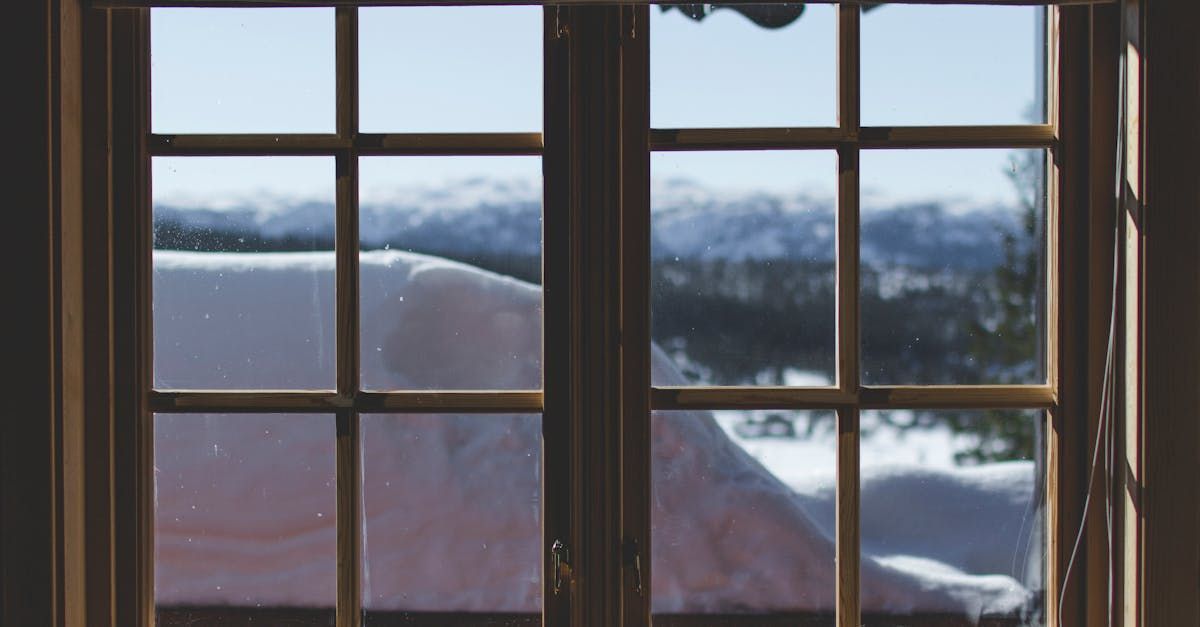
(272, 70)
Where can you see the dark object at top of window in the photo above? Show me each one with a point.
(765, 15)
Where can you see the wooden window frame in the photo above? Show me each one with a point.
(87, 569)
(348, 401)
(599, 129)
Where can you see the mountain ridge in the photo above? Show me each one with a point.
(689, 221)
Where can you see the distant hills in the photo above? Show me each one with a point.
(487, 217)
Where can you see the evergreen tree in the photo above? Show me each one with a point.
(1007, 335)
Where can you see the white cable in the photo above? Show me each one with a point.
(1102, 430)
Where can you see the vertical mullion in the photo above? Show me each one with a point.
(582, 283)
(348, 523)
(349, 468)
(848, 210)
(848, 607)
(98, 358)
(1051, 452)
(635, 462)
(347, 206)
(1054, 186)
(556, 286)
(1101, 212)
(142, 362)
(1054, 514)
(1067, 213)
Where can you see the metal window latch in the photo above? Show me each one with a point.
(561, 557)
(633, 559)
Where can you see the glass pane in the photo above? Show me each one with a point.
(452, 519)
(952, 518)
(450, 69)
(450, 267)
(931, 65)
(743, 266)
(243, 272)
(953, 266)
(244, 519)
(242, 70)
(751, 65)
(743, 517)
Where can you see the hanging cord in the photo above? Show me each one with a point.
(1105, 436)
(1121, 173)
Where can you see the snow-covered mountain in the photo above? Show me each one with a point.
(689, 220)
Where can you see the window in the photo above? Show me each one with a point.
(838, 297)
(397, 386)
(335, 196)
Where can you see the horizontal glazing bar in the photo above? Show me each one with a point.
(1034, 136)
(473, 401)
(958, 397)
(667, 398)
(264, 144)
(244, 401)
(367, 144)
(1031, 136)
(450, 143)
(874, 397)
(662, 398)
(745, 138)
(485, 402)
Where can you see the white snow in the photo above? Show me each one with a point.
(245, 510)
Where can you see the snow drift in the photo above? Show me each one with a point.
(245, 504)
